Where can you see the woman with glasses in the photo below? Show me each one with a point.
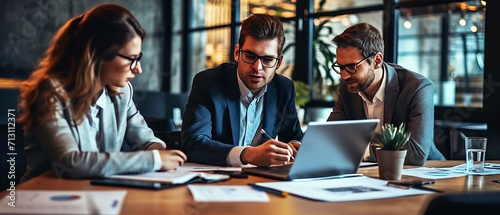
(77, 108)
(235, 110)
(374, 89)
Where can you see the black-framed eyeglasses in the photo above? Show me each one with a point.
(350, 68)
(133, 61)
(265, 61)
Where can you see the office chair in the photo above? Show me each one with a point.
(465, 203)
(176, 102)
(159, 109)
(171, 138)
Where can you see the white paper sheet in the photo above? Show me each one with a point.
(167, 177)
(344, 189)
(450, 172)
(227, 193)
(433, 173)
(489, 169)
(64, 202)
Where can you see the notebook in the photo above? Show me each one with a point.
(328, 149)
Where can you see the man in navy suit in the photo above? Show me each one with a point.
(374, 89)
(230, 104)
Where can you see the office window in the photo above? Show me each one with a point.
(322, 5)
(210, 13)
(209, 35)
(214, 46)
(210, 48)
(279, 8)
(288, 64)
(446, 44)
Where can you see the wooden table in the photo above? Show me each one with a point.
(178, 200)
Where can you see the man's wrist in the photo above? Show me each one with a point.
(243, 161)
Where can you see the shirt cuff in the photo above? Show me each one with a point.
(233, 158)
(156, 160)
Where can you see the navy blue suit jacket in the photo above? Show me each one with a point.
(210, 126)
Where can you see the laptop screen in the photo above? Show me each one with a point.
(328, 149)
(332, 148)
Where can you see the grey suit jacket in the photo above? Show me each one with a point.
(409, 99)
(56, 143)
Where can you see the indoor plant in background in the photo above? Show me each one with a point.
(301, 98)
(390, 152)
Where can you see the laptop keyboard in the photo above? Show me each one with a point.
(280, 169)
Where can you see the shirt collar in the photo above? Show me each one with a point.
(101, 101)
(380, 95)
(245, 93)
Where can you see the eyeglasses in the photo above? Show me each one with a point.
(349, 68)
(266, 61)
(133, 60)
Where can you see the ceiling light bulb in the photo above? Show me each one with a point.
(462, 22)
(473, 28)
(407, 24)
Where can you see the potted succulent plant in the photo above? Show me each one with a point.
(390, 153)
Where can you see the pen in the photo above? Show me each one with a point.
(406, 187)
(263, 132)
(269, 190)
(427, 188)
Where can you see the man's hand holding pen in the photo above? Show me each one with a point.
(271, 152)
(293, 145)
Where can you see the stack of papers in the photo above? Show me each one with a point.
(226, 193)
(166, 177)
(63, 202)
(450, 172)
(342, 189)
(195, 167)
(172, 177)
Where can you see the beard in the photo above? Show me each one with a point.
(363, 82)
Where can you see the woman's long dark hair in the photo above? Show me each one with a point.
(70, 71)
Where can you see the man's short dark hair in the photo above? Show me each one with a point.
(363, 36)
(263, 27)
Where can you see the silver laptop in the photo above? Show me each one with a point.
(328, 149)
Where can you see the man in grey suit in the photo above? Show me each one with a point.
(371, 88)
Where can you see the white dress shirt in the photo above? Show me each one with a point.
(374, 109)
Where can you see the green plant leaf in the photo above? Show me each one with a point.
(393, 138)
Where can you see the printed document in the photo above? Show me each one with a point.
(450, 172)
(343, 189)
(172, 177)
(193, 167)
(227, 193)
(64, 202)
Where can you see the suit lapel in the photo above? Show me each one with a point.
(391, 93)
(109, 125)
(358, 107)
(232, 95)
(270, 101)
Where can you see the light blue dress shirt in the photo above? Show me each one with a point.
(251, 109)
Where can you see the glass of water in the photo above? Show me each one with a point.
(475, 149)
